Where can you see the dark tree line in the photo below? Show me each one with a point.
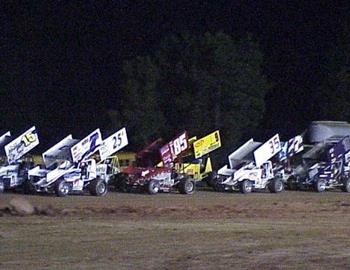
(215, 81)
(332, 99)
(194, 83)
(62, 70)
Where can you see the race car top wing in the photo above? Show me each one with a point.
(4, 138)
(243, 153)
(267, 150)
(339, 149)
(22, 145)
(60, 151)
(87, 146)
(174, 148)
(149, 156)
(114, 143)
(207, 144)
(291, 147)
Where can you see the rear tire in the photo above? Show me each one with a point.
(275, 186)
(292, 183)
(187, 186)
(120, 184)
(211, 179)
(28, 188)
(62, 188)
(346, 185)
(153, 187)
(219, 187)
(320, 185)
(98, 187)
(245, 186)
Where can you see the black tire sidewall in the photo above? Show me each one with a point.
(2, 186)
(318, 183)
(98, 183)
(28, 187)
(189, 181)
(243, 186)
(277, 185)
(93, 187)
(150, 187)
(346, 184)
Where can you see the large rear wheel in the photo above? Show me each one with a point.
(211, 179)
(28, 188)
(275, 186)
(219, 187)
(187, 186)
(120, 183)
(98, 187)
(346, 185)
(292, 183)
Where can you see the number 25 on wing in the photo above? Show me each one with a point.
(114, 143)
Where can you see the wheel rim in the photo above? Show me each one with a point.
(279, 186)
(155, 187)
(101, 188)
(248, 186)
(321, 185)
(189, 186)
(64, 189)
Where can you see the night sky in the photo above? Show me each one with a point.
(61, 61)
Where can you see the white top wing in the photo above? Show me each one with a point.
(267, 150)
(114, 143)
(22, 145)
(87, 146)
(243, 153)
(60, 151)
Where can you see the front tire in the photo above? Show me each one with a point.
(121, 184)
(292, 183)
(211, 179)
(219, 187)
(346, 185)
(187, 186)
(320, 185)
(62, 188)
(98, 187)
(153, 187)
(246, 186)
(275, 186)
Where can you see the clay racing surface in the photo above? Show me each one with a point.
(208, 230)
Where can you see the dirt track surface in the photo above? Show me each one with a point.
(208, 230)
